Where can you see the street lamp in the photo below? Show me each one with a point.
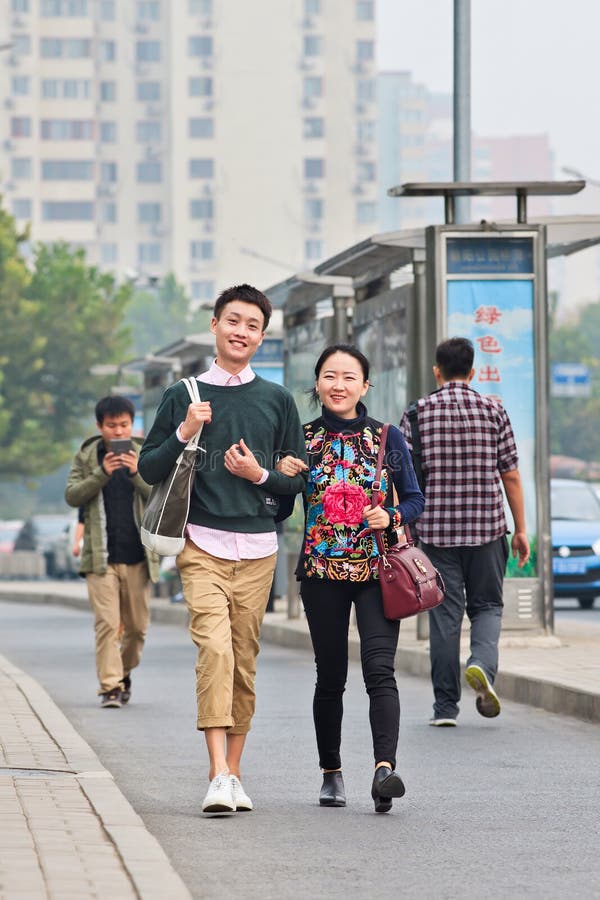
(577, 174)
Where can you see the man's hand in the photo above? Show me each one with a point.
(376, 516)
(113, 461)
(130, 461)
(197, 414)
(291, 465)
(241, 461)
(520, 547)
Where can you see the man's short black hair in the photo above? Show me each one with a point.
(454, 358)
(114, 405)
(247, 294)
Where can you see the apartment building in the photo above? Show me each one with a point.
(223, 140)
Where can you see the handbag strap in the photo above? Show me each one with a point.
(192, 389)
(377, 487)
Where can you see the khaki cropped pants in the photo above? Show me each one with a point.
(226, 601)
(119, 597)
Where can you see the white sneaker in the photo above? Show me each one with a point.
(219, 797)
(443, 723)
(242, 801)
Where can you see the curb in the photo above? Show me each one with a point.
(146, 863)
(539, 691)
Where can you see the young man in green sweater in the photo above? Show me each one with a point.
(229, 558)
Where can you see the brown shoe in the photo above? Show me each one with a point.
(111, 699)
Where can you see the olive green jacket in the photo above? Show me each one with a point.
(84, 488)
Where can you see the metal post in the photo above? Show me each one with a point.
(462, 103)
(522, 207)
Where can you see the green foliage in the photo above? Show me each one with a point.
(158, 317)
(57, 322)
(574, 421)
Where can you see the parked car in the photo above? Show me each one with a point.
(9, 529)
(65, 564)
(575, 512)
(39, 533)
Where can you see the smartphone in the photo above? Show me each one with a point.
(120, 446)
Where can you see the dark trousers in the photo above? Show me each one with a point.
(473, 577)
(327, 605)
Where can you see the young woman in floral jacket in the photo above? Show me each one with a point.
(338, 563)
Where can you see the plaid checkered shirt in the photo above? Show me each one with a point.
(467, 442)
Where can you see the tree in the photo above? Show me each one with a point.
(57, 324)
(574, 420)
(162, 315)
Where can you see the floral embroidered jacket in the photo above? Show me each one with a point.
(342, 455)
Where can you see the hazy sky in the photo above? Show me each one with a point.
(535, 68)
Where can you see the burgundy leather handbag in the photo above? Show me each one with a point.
(410, 583)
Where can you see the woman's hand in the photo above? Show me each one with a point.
(377, 517)
(290, 465)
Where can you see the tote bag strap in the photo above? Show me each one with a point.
(192, 389)
(377, 487)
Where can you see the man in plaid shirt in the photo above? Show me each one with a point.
(468, 453)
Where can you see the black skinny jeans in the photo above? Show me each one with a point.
(327, 605)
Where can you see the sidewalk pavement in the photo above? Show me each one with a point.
(66, 830)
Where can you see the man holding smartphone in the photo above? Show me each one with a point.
(104, 480)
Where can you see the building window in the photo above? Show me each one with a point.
(201, 209)
(20, 168)
(200, 87)
(312, 7)
(107, 10)
(108, 91)
(66, 88)
(148, 132)
(149, 172)
(314, 127)
(147, 51)
(68, 211)
(200, 45)
(21, 44)
(148, 91)
(365, 51)
(148, 10)
(313, 87)
(313, 250)
(365, 10)
(20, 85)
(200, 8)
(149, 213)
(201, 128)
(202, 250)
(313, 45)
(366, 213)
(108, 172)
(149, 253)
(109, 213)
(313, 208)
(20, 6)
(66, 130)
(108, 51)
(20, 127)
(21, 208)
(109, 254)
(201, 168)
(366, 171)
(365, 132)
(65, 48)
(366, 90)
(314, 168)
(67, 170)
(108, 132)
(203, 290)
(64, 8)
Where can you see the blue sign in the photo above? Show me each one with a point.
(570, 380)
(489, 256)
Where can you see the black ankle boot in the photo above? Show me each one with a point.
(332, 791)
(386, 784)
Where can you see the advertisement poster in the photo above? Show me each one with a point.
(497, 316)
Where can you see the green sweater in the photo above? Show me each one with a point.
(265, 416)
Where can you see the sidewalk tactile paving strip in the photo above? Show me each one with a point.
(53, 842)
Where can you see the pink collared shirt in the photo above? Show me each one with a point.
(232, 545)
